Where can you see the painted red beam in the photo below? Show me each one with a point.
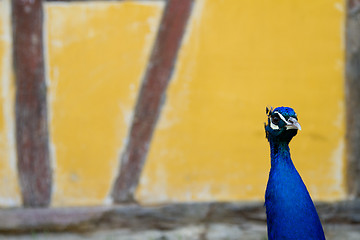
(30, 105)
(151, 97)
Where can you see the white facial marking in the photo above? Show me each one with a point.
(291, 123)
(282, 117)
(273, 126)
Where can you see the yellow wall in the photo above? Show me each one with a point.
(9, 188)
(97, 53)
(238, 57)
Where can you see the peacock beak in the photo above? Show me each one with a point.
(292, 123)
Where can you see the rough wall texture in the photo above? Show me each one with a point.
(197, 232)
(184, 221)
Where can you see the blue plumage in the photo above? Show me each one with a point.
(290, 211)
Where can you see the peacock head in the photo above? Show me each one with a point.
(282, 124)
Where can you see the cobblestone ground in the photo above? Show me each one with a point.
(201, 232)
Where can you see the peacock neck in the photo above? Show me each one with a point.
(280, 152)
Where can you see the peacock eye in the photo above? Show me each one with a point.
(275, 120)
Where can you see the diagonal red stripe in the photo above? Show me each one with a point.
(151, 96)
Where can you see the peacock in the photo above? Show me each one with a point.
(290, 212)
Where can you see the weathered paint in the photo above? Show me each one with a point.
(239, 57)
(9, 186)
(97, 53)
